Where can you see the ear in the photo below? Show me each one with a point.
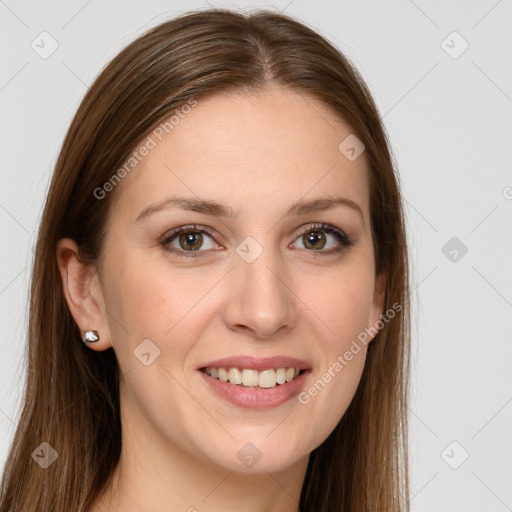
(379, 297)
(83, 294)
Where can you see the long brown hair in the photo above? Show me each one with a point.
(71, 398)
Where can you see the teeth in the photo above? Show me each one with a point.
(235, 376)
(267, 379)
(253, 378)
(250, 377)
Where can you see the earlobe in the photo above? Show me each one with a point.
(80, 284)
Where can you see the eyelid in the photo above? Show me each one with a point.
(320, 226)
(189, 227)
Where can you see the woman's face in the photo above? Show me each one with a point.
(252, 276)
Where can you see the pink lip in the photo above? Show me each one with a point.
(255, 363)
(256, 398)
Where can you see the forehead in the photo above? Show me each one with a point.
(274, 146)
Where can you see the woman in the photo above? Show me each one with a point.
(219, 315)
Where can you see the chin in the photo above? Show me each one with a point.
(254, 454)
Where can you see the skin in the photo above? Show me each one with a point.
(257, 154)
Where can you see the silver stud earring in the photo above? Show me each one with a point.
(90, 337)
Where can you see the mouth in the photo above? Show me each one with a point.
(256, 383)
(253, 378)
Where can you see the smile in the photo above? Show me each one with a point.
(264, 379)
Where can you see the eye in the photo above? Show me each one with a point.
(324, 239)
(190, 241)
(187, 240)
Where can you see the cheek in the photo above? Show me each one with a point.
(150, 298)
(157, 314)
(341, 303)
(146, 302)
(341, 307)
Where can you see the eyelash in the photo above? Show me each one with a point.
(344, 240)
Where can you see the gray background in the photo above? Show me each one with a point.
(448, 115)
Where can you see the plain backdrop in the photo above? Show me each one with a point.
(442, 78)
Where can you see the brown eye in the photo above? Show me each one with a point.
(190, 241)
(323, 239)
(314, 240)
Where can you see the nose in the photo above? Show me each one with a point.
(260, 301)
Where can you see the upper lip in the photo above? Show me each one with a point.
(258, 363)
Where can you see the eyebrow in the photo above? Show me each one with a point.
(216, 209)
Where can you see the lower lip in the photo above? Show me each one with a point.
(257, 398)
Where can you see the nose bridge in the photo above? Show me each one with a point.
(261, 300)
